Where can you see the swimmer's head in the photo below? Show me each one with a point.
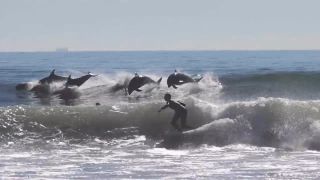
(167, 97)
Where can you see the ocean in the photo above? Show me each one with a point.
(258, 114)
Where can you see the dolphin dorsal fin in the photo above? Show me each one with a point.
(52, 72)
(68, 80)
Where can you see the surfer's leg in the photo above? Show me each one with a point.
(174, 122)
(183, 117)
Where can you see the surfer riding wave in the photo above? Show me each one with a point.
(180, 112)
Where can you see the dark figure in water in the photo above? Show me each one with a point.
(180, 112)
(179, 79)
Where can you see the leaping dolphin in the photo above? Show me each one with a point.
(179, 79)
(79, 81)
(47, 80)
(138, 81)
(52, 78)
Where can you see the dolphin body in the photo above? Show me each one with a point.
(79, 81)
(179, 79)
(47, 80)
(52, 78)
(139, 81)
(43, 86)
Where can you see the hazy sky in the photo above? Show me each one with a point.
(41, 25)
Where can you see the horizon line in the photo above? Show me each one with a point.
(151, 50)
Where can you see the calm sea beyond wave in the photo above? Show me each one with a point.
(257, 115)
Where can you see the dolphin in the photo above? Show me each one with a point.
(47, 80)
(179, 79)
(79, 81)
(138, 81)
(52, 78)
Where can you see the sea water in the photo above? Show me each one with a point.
(258, 113)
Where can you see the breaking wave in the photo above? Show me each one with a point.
(274, 122)
(227, 110)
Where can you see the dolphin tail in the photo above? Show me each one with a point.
(159, 81)
(198, 79)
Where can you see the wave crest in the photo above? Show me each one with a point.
(274, 122)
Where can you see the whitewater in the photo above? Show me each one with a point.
(258, 114)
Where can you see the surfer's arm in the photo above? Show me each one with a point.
(183, 104)
(163, 107)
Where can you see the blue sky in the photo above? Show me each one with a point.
(44, 25)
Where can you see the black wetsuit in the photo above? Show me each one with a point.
(180, 113)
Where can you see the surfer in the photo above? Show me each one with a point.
(180, 112)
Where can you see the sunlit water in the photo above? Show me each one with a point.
(136, 160)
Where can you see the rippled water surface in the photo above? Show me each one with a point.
(257, 115)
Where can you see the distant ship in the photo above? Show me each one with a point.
(62, 50)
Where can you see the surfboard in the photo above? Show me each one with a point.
(197, 130)
(189, 131)
(173, 131)
(173, 138)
